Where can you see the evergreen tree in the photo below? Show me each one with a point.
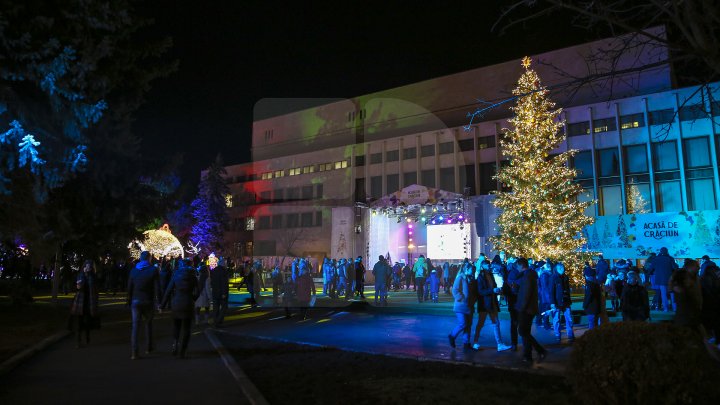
(607, 237)
(541, 215)
(636, 204)
(622, 233)
(595, 241)
(209, 209)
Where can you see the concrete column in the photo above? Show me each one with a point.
(681, 155)
(594, 164)
(651, 167)
(621, 160)
(713, 148)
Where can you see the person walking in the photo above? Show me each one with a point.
(527, 307)
(464, 302)
(512, 288)
(685, 284)
(143, 299)
(636, 305)
(663, 267)
(84, 308)
(380, 271)
(204, 297)
(183, 289)
(561, 302)
(593, 301)
(220, 288)
(545, 275)
(420, 269)
(487, 304)
(305, 290)
(327, 277)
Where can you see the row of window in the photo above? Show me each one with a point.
(278, 221)
(464, 145)
(656, 117)
(322, 167)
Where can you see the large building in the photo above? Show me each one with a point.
(648, 154)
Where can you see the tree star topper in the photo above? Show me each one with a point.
(526, 61)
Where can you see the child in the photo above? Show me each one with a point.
(433, 284)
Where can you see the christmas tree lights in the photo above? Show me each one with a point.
(541, 215)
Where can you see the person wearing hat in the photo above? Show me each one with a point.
(433, 285)
(635, 301)
(593, 301)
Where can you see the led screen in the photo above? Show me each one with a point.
(448, 241)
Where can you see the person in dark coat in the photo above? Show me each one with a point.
(527, 307)
(663, 267)
(183, 288)
(710, 287)
(304, 290)
(220, 291)
(84, 308)
(512, 287)
(545, 275)
(463, 306)
(561, 302)
(487, 304)
(143, 299)
(166, 272)
(602, 268)
(380, 271)
(359, 270)
(636, 305)
(685, 284)
(433, 285)
(593, 301)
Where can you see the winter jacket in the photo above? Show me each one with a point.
(221, 284)
(183, 289)
(433, 283)
(86, 298)
(663, 266)
(545, 287)
(710, 286)
(329, 272)
(528, 293)
(143, 285)
(688, 298)
(487, 299)
(381, 271)
(464, 296)
(513, 281)
(636, 306)
(593, 298)
(602, 269)
(305, 288)
(561, 291)
(420, 268)
(446, 270)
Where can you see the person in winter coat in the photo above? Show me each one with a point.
(380, 271)
(593, 301)
(221, 290)
(407, 274)
(602, 269)
(487, 304)
(561, 302)
(304, 290)
(433, 285)
(545, 275)
(277, 283)
(359, 268)
(636, 305)
(183, 288)
(84, 308)
(705, 262)
(710, 287)
(663, 267)
(620, 271)
(328, 278)
(527, 307)
(463, 306)
(204, 296)
(498, 270)
(685, 284)
(446, 277)
(512, 287)
(143, 299)
(420, 270)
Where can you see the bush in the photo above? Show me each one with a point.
(642, 363)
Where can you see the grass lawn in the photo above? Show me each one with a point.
(297, 374)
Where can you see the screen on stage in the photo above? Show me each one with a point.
(448, 241)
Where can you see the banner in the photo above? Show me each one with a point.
(342, 228)
(685, 234)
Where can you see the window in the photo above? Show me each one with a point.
(427, 178)
(307, 192)
(293, 193)
(323, 167)
(392, 156)
(609, 162)
(487, 183)
(604, 125)
(279, 194)
(697, 152)
(263, 222)
(692, 112)
(636, 159)
(409, 153)
(279, 173)
(578, 128)
(446, 147)
(447, 179)
(467, 178)
(638, 197)
(265, 248)
(701, 194)
(660, 117)
(376, 158)
(249, 224)
(668, 196)
(293, 220)
(376, 186)
(267, 176)
(715, 108)
(306, 219)
(610, 200)
(360, 160)
(485, 142)
(392, 183)
(319, 191)
(582, 162)
(309, 169)
(665, 156)
(427, 150)
(265, 196)
(294, 172)
(341, 164)
(318, 218)
(360, 194)
(466, 145)
(632, 121)
(409, 178)
(277, 221)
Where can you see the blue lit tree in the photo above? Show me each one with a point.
(210, 209)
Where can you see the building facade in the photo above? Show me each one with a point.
(647, 154)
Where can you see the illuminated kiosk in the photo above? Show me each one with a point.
(159, 242)
(419, 220)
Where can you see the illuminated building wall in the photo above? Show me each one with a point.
(307, 163)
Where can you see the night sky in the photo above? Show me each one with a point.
(231, 55)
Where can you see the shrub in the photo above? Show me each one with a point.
(642, 363)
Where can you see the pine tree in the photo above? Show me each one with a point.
(595, 241)
(541, 215)
(636, 204)
(209, 209)
(622, 233)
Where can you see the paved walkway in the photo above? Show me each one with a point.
(102, 373)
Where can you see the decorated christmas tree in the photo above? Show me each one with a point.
(622, 234)
(541, 215)
(636, 204)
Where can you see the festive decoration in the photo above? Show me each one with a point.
(159, 242)
(209, 208)
(636, 204)
(541, 215)
(28, 153)
(212, 261)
